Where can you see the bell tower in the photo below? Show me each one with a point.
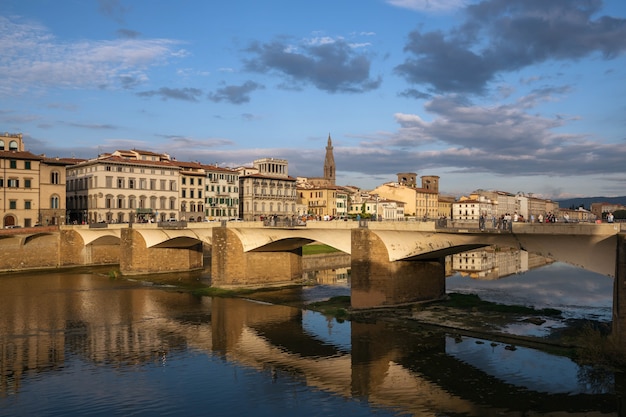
(329, 163)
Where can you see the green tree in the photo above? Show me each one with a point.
(620, 214)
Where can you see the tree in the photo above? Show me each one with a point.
(620, 214)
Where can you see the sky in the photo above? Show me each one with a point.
(510, 95)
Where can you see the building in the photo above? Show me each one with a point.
(267, 190)
(421, 203)
(33, 186)
(600, 210)
(191, 196)
(222, 193)
(468, 209)
(321, 201)
(124, 186)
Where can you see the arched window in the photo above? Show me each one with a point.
(54, 177)
(1, 145)
(13, 145)
(54, 202)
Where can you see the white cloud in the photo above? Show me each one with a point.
(429, 5)
(30, 57)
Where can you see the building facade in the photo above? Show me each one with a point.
(33, 186)
(222, 193)
(267, 190)
(191, 196)
(122, 187)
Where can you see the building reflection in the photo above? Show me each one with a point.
(492, 262)
(111, 324)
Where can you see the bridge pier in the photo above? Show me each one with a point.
(619, 293)
(378, 282)
(232, 266)
(137, 259)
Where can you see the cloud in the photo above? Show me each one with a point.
(113, 9)
(185, 94)
(94, 126)
(500, 36)
(428, 5)
(31, 58)
(330, 65)
(184, 142)
(128, 33)
(235, 94)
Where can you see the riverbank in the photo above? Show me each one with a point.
(466, 315)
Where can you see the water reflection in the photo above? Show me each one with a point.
(75, 343)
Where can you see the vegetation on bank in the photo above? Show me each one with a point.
(336, 307)
(475, 303)
(317, 248)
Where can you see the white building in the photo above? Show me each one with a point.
(222, 193)
(266, 190)
(125, 186)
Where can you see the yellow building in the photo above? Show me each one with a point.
(320, 201)
(33, 186)
(421, 203)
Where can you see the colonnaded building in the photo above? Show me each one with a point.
(266, 190)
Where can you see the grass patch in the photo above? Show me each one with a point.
(474, 302)
(317, 248)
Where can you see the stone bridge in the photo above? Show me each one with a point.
(392, 262)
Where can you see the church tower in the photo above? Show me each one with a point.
(329, 163)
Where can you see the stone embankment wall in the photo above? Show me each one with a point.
(27, 249)
(18, 252)
(325, 261)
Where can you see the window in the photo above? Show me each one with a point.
(13, 183)
(27, 204)
(12, 204)
(131, 183)
(26, 183)
(13, 163)
(54, 177)
(26, 164)
(120, 183)
(54, 202)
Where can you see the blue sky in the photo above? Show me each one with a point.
(513, 95)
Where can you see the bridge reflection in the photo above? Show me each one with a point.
(120, 324)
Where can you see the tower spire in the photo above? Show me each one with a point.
(329, 163)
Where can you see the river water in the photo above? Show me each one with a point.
(83, 344)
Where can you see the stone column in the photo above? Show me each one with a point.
(377, 282)
(619, 293)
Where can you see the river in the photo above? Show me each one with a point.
(81, 343)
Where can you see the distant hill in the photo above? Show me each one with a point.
(586, 201)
